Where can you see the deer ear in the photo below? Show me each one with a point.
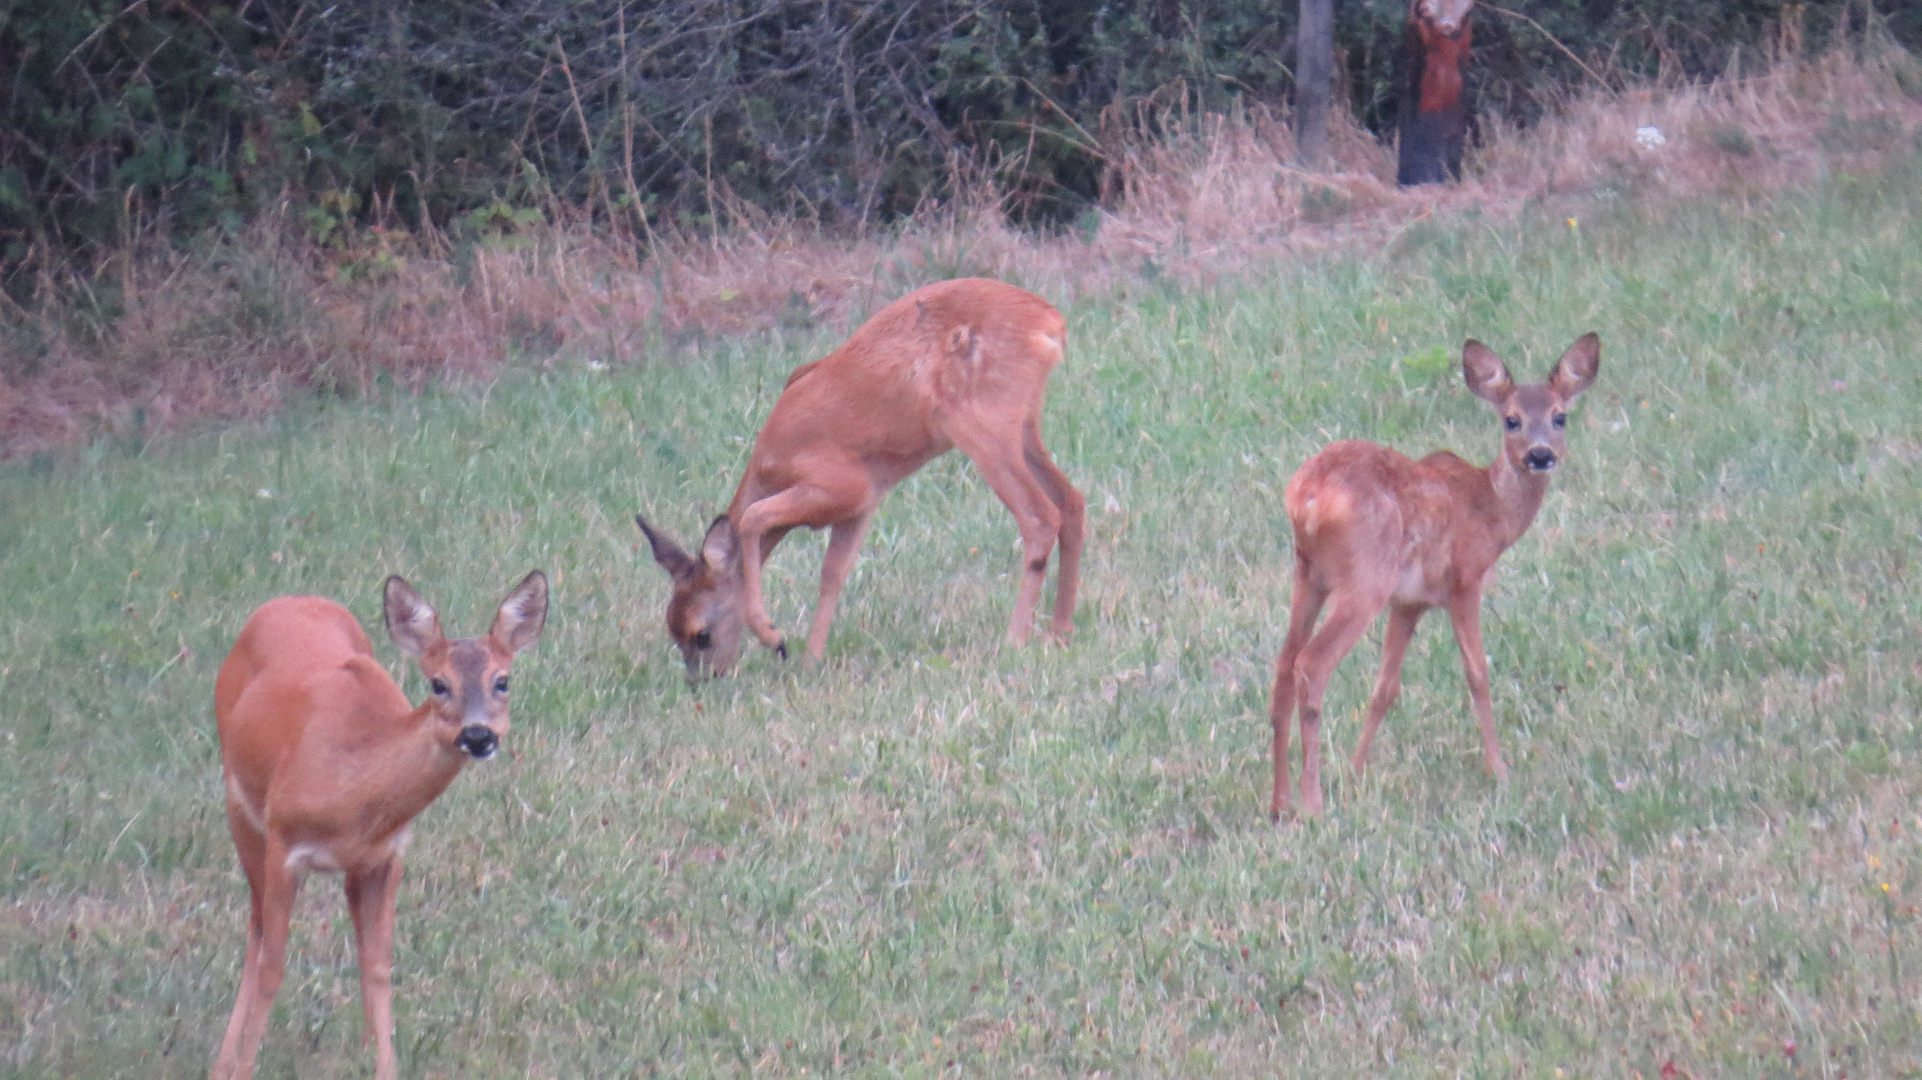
(1486, 375)
(676, 562)
(1576, 371)
(721, 547)
(411, 622)
(523, 615)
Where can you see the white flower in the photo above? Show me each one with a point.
(265, 493)
(1648, 138)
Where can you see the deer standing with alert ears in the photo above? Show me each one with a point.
(957, 364)
(1374, 529)
(327, 764)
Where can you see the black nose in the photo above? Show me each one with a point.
(1540, 459)
(479, 741)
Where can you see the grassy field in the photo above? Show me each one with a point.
(933, 856)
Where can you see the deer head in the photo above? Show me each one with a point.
(1534, 417)
(468, 677)
(704, 615)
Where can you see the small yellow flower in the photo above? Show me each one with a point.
(1885, 886)
(1573, 224)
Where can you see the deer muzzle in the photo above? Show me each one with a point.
(478, 741)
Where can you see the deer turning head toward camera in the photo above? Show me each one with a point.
(1374, 529)
(326, 765)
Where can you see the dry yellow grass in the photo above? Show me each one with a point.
(225, 331)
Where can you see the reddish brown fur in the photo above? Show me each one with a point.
(1443, 51)
(1375, 530)
(326, 764)
(1442, 66)
(957, 364)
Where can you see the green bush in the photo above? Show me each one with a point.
(200, 115)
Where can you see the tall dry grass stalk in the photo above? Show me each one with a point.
(155, 339)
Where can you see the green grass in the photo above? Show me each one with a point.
(936, 855)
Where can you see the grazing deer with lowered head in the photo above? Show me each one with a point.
(327, 764)
(956, 364)
(1374, 529)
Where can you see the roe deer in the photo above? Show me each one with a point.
(1374, 529)
(326, 765)
(960, 363)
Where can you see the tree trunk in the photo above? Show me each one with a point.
(1314, 77)
(1434, 110)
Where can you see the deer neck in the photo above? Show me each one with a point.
(416, 766)
(1518, 494)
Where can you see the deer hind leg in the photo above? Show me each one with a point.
(831, 494)
(1302, 611)
(1348, 620)
(1466, 614)
(1394, 647)
(1005, 468)
(1074, 516)
(1040, 524)
(370, 900)
(844, 546)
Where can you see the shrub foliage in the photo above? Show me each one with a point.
(196, 114)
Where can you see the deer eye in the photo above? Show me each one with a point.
(703, 640)
(1512, 423)
(1560, 420)
(500, 685)
(439, 686)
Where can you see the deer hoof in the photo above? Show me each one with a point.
(780, 648)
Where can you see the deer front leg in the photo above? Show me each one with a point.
(1466, 613)
(370, 900)
(266, 966)
(829, 496)
(252, 847)
(844, 546)
(227, 1064)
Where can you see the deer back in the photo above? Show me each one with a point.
(961, 351)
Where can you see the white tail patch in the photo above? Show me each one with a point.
(307, 858)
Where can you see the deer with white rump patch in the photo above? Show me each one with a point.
(1374, 529)
(327, 765)
(956, 364)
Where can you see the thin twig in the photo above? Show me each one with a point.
(586, 137)
(627, 138)
(1093, 146)
(1552, 39)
